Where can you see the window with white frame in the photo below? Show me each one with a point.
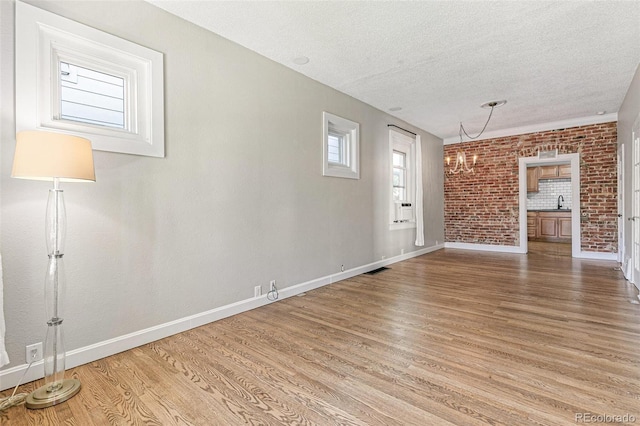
(402, 180)
(91, 96)
(340, 147)
(79, 80)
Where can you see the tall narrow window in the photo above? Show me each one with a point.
(402, 183)
(399, 176)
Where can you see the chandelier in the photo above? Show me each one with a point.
(461, 164)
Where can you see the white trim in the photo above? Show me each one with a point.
(518, 250)
(484, 247)
(597, 255)
(621, 224)
(402, 225)
(541, 127)
(574, 159)
(9, 377)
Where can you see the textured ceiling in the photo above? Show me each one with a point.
(438, 61)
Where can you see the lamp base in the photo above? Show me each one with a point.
(40, 398)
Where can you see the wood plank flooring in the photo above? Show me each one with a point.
(453, 337)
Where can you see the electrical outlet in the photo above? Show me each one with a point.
(401, 251)
(257, 291)
(33, 352)
(272, 285)
(341, 268)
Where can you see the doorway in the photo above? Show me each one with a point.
(574, 161)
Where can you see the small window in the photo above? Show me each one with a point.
(82, 81)
(340, 147)
(402, 181)
(90, 96)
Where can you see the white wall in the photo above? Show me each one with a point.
(628, 113)
(239, 199)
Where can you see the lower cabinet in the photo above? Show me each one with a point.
(549, 226)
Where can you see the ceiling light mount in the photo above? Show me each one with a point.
(493, 104)
(300, 60)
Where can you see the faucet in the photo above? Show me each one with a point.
(560, 201)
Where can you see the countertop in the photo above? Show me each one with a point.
(551, 210)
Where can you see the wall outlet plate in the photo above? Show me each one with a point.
(33, 352)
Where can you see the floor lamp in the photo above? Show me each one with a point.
(59, 158)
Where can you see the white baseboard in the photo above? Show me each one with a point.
(10, 377)
(597, 256)
(484, 247)
(517, 249)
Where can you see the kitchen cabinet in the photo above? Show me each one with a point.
(532, 179)
(549, 225)
(534, 174)
(532, 219)
(564, 227)
(548, 172)
(564, 171)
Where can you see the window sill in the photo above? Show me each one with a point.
(401, 225)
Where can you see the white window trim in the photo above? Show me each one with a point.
(402, 143)
(43, 39)
(351, 130)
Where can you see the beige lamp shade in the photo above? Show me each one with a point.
(46, 155)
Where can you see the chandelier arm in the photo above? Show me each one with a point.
(462, 130)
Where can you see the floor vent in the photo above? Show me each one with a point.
(376, 271)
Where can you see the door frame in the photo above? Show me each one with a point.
(621, 239)
(635, 213)
(574, 160)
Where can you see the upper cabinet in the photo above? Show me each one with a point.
(561, 171)
(564, 171)
(532, 179)
(548, 172)
(534, 174)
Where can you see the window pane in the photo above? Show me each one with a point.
(335, 149)
(399, 194)
(398, 159)
(90, 96)
(398, 177)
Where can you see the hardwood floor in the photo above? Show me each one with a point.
(549, 249)
(451, 337)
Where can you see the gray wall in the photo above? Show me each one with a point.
(239, 199)
(629, 112)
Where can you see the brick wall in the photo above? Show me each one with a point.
(483, 207)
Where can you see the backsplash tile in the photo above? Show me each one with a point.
(547, 195)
